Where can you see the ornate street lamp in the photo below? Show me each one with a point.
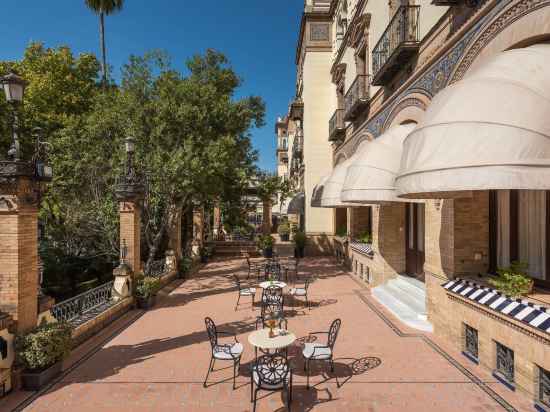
(130, 184)
(14, 89)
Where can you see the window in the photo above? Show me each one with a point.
(505, 362)
(544, 387)
(519, 231)
(471, 342)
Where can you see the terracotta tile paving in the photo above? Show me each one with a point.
(157, 360)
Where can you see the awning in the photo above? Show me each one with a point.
(318, 192)
(334, 184)
(296, 205)
(489, 131)
(371, 176)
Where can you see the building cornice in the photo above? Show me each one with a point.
(312, 15)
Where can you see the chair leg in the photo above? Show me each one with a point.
(307, 303)
(332, 365)
(307, 374)
(210, 366)
(238, 300)
(235, 366)
(255, 399)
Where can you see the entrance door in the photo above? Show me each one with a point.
(415, 239)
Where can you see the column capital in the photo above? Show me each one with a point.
(20, 186)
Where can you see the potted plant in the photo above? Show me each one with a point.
(265, 244)
(342, 231)
(203, 252)
(365, 237)
(299, 239)
(513, 281)
(41, 352)
(146, 291)
(284, 231)
(185, 266)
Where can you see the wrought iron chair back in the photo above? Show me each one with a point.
(272, 294)
(272, 370)
(333, 333)
(211, 330)
(272, 309)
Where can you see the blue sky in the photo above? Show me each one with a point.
(258, 36)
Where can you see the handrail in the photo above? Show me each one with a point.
(72, 308)
(357, 91)
(336, 121)
(403, 28)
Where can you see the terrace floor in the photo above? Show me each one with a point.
(157, 360)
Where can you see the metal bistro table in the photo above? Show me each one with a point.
(261, 339)
(275, 283)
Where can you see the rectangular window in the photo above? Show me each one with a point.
(471, 341)
(519, 231)
(544, 387)
(505, 362)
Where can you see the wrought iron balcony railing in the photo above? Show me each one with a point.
(77, 306)
(336, 127)
(397, 45)
(357, 97)
(298, 145)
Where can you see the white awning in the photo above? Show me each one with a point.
(489, 131)
(318, 192)
(334, 184)
(371, 176)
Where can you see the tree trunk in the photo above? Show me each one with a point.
(154, 247)
(103, 52)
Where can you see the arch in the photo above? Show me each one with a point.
(410, 108)
(524, 23)
(339, 158)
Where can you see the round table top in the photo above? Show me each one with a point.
(261, 339)
(277, 284)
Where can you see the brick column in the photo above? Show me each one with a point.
(19, 198)
(217, 221)
(198, 228)
(266, 217)
(130, 232)
(174, 232)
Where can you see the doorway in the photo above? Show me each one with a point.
(415, 254)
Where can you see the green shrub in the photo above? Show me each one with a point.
(147, 286)
(185, 265)
(44, 346)
(513, 280)
(299, 239)
(365, 237)
(265, 242)
(342, 231)
(283, 229)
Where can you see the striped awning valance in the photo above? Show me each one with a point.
(365, 248)
(519, 309)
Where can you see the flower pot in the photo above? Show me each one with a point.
(34, 381)
(299, 252)
(268, 253)
(285, 237)
(146, 303)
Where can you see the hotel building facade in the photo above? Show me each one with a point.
(427, 165)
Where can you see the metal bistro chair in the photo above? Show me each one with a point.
(297, 291)
(272, 311)
(253, 268)
(319, 351)
(271, 373)
(273, 294)
(225, 352)
(272, 270)
(244, 292)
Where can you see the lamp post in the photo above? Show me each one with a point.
(14, 89)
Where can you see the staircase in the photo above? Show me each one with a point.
(234, 248)
(405, 297)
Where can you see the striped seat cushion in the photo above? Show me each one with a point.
(365, 248)
(519, 309)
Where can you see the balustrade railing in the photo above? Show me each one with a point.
(336, 125)
(157, 268)
(74, 307)
(357, 96)
(403, 29)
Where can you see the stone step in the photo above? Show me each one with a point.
(406, 310)
(417, 292)
(416, 302)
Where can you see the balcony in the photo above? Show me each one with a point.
(357, 97)
(298, 145)
(397, 45)
(336, 127)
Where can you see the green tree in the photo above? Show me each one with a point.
(104, 8)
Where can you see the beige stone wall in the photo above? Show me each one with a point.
(319, 103)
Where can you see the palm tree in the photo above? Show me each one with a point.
(104, 8)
